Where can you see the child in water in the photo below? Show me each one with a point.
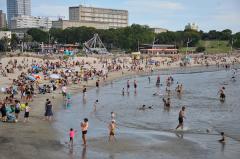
(68, 101)
(71, 136)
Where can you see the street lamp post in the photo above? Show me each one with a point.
(189, 41)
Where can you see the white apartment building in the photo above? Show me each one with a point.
(159, 30)
(191, 26)
(24, 21)
(113, 17)
(63, 24)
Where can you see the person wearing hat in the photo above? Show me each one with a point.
(112, 127)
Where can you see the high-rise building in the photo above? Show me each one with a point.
(18, 7)
(113, 17)
(24, 21)
(3, 22)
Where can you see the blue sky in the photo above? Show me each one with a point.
(170, 14)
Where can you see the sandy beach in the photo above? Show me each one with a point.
(39, 139)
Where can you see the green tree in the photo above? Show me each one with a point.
(200, 49)
(14, 42)
(4, 43)
(236, 40)
(38, 35)
(226, 34)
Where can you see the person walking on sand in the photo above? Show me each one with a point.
(26, 114)
(84, 127)
(180, 118)
(112, 127)
(48, 110)
(17, 109)
(64, 91)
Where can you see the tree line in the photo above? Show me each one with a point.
(127, 38)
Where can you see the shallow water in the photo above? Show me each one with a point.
(150, 133)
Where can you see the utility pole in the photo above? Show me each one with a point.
(189, 41)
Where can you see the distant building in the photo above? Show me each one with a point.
(3, 22)
(18, 7)
(63, 24)
(7, 34)
(159, 30)
(24, 21)
(113, 17)
(157, 49)
(191, 26)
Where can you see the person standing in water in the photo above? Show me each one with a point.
(180, 118)
(84, 127)
(123, 92)
(222, 140)
(112, 127)
(135, 86)
(71, 137)
(112, 115)
(149, 79)
(158, 81)
(167, 103)
(128, 86)
(95, 105)
(222, 94)
(97, 83)
(84, 91)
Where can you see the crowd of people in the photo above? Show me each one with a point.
(29, 78)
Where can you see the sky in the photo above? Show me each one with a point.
(170, 14)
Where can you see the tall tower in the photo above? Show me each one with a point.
(16, 8)
(3, 22)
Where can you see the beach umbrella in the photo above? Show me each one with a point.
(31, 78)
(54, 76)
(68, 71)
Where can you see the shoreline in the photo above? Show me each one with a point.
(38, 138)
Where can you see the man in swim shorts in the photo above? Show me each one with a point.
(84, 127)
(112, 127)
(180, 118)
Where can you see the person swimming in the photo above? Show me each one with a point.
(167, 103)
(143, 107)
